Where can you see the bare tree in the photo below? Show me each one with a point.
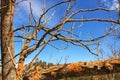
(36, 35)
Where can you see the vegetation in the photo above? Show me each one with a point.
(115, 76)
(80, 70)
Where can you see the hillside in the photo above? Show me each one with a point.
(77, 69)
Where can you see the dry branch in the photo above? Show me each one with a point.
(55, 34)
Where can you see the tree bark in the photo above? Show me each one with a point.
(7, 40)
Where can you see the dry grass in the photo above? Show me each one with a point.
(115, 76)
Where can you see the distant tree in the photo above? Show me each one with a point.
(37, 34)
(114, 48)
(50, 64)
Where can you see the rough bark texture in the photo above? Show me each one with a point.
(81, 69)
(22, 55)
(7, 40)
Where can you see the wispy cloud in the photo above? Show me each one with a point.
(115, 5)
(22, 12)
(36, 6)
(111, 4)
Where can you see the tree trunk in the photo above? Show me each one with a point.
(7, 40)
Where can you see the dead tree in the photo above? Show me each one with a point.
(37, 35)
(55, 32)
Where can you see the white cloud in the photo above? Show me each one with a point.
(115, 5)
(111, 4)
(36, 6)
(22, 11)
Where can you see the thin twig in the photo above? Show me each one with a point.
(14, 62)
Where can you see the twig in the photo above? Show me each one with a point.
(14, 62)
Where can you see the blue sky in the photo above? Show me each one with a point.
(72, 53)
